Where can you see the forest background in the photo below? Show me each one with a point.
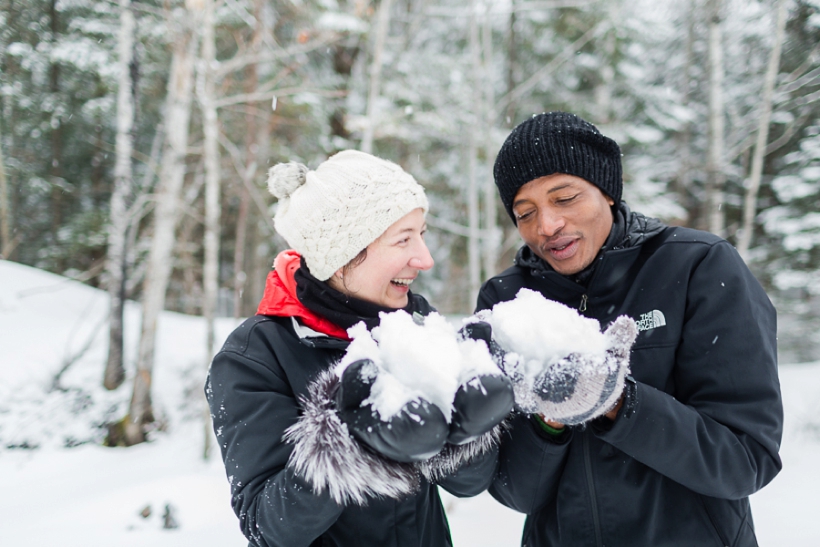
(135, 136)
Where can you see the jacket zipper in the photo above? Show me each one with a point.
(596, 523)
(582, 307)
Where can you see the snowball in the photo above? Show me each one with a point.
(416, 358)
(542, 332)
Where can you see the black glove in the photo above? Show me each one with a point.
(481, 330)
(484, 401)
(480, 405)
(416, 433)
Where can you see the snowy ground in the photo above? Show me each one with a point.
(91, 496)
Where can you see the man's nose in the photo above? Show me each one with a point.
(549, 223)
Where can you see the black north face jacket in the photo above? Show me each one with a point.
(703, 425)
(255, 389)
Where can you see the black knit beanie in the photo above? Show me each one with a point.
(557, 142)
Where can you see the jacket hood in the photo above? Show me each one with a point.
(279, 298)
(629, 229)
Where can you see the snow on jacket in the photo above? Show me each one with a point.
(257, 387)
(676, 468)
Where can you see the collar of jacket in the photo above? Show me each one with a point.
(280, 298)
(630, 230)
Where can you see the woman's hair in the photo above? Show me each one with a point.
(358, 259)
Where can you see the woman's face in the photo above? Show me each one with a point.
(392, 263)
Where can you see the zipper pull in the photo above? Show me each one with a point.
(583, 306)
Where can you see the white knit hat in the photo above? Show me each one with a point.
(331, 214)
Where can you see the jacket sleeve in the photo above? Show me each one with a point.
(472, 478)
(252, 405)
(465, 470)
(487, 297)
(529, 467)
(720, 433)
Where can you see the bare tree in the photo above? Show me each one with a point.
(512, 60)
(57, 183)
(715, 169)
(492, 236)
(473, 212)
(6, 244)
(210, 124)
(750, 201)
(382, 25)
(683, 182)
(253, 137)
(166, 215)
(114, 373)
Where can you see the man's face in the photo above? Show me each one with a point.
(564, 219)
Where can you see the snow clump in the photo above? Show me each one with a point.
(416, 357)
(543, 331)
(548, 346)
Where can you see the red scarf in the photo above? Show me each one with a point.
(280, 297)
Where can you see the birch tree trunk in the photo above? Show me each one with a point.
(473, 213)
(750, 201)
(604, 88)
(715, 173)
(5, 211)
(166, 216)
(492, 237)
(240, 277)
(512, 60)
(252, 150)
(114, 373)
(210, 124)
(57, 188)
(382, 24)
(684, 180)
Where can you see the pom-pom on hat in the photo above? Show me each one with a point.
(331, 214)
(557, 142)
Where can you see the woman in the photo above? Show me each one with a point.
(308, 461)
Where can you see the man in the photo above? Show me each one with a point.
(697, 428)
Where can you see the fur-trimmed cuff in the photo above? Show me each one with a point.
(452, 457)
(329, 458)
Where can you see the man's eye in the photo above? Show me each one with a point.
(523, 216)
(566, 200)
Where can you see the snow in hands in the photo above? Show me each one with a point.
(416, 358)
(561, 364)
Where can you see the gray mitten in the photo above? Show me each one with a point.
(579, 388)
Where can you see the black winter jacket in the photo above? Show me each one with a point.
(254, 389)
(701, 429)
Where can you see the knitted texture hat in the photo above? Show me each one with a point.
(331, 214)
(557, 142)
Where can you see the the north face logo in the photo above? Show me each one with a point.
(651, 320)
